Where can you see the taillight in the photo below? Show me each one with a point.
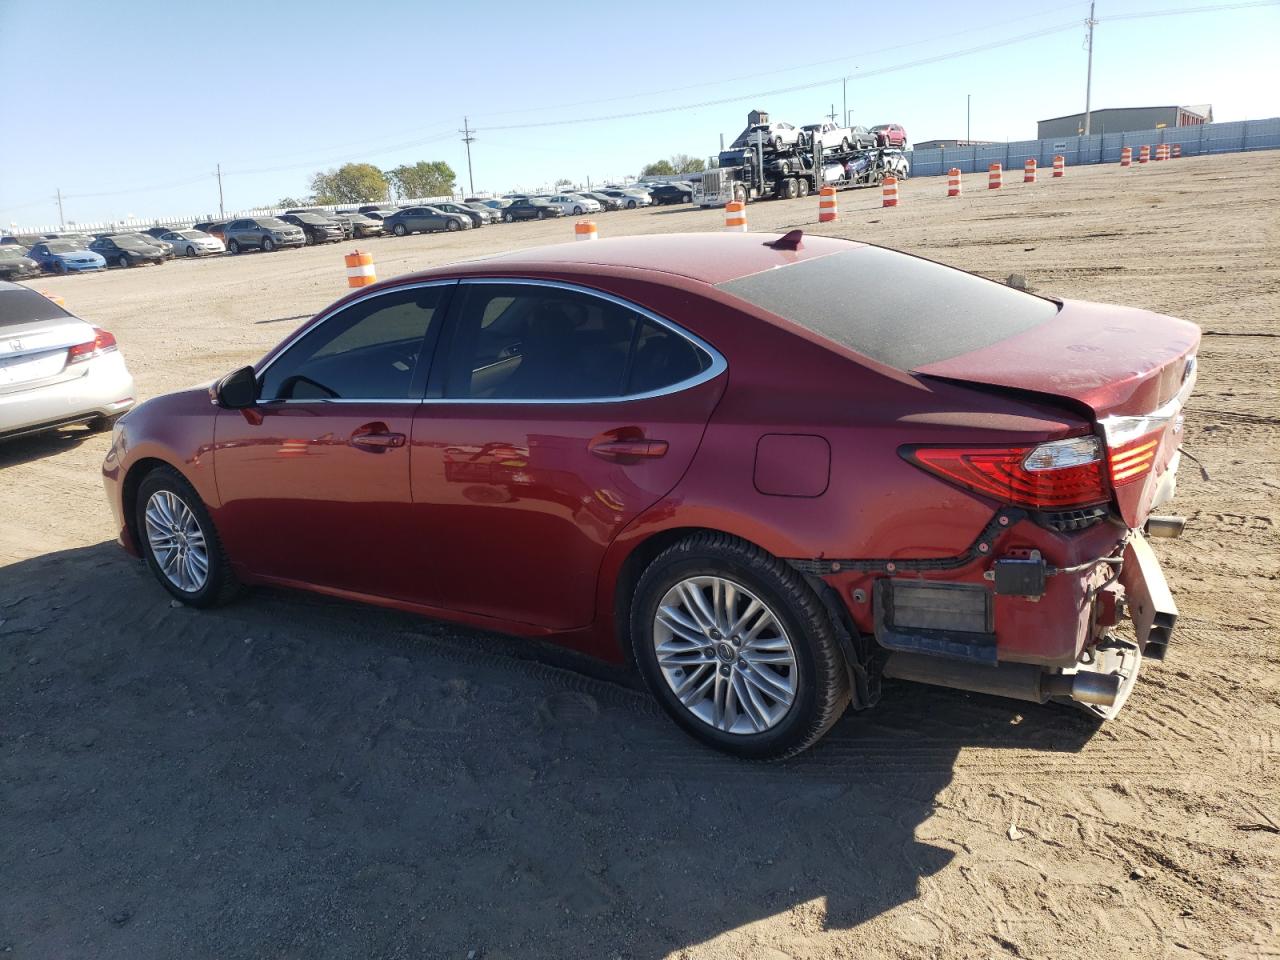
(101, 343)
(1062, 473)
(1132, 461)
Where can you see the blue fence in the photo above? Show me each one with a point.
(1100, 147)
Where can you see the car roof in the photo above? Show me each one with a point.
(711, 258)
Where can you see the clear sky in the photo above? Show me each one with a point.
(128, 106)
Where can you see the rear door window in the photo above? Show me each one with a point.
(545, 343)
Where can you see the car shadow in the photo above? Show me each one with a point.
(296, 776)
(37, 446)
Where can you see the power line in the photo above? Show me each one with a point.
(1210, 8)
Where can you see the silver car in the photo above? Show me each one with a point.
(262, 233)
(56, 369)
(194, 243)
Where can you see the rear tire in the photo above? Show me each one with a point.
(191, 251)
(122, 261)
(233, 247)
(801, 628)
(165, 486)
(802, 185)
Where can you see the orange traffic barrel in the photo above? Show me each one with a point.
(1059, 166)
(953, 182)
(735, 216)
(585, 230)
(1144, 153)
(360, 269)
(1029, 170)
(890, 192)
(993, 177)
(827, 205)
(1126, 157)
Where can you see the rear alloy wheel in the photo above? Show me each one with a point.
(399, 229)
(233, 246)
(179, 541)
(738, 648)
(268, 245)
(122, 261)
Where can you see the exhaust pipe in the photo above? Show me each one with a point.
(1017, 681)
(1168, 527)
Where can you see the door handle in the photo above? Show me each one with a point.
(625, 451)
(376, 439)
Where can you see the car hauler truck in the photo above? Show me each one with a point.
(757, 170)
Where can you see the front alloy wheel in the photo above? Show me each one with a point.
(179, 541)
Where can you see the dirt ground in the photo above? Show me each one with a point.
(297, 777)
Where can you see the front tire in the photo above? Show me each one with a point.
(631, 204)
(268, 245)
(179, 541)
(400, 230)
(122, 261)
(508, 218)
(191, 251)
(738, 648)
(452, 226)
(233, 247)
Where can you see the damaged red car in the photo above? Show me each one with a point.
(768, 470)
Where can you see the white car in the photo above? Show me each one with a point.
(831, 137)
(777, 135)
(56, 369)
(194, 243)
(572, 204)
(629, 198)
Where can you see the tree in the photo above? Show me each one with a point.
(687, 164)
(563, 182)
(350, 183)
(659, 168)
(287, 202)
(433, 178)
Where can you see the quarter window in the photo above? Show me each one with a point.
(377, 349)
(530, 342)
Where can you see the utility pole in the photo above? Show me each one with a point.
(832, 115)
(221, 210)
(468, 139)
(1088, 82)
(62, 223)
(844, 99)
(968, 114)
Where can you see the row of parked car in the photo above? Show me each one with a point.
(70, 252)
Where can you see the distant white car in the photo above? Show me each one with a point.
(896, 165)
(194, 243)
(572, 204)
(831, 136)
(777, 135)
(629, 198)
(56, 369)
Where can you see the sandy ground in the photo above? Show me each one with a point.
(296, 777)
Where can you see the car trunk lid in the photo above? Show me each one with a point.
(1131, 370)
(35, 353)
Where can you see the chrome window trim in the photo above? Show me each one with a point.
(717, 366)
(718, 363)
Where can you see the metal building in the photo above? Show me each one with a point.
(950, 144)
(1121, 119)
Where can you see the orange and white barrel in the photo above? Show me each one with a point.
(827, 205)
(1175, 150)
(1059, 166)
(1144, 153)
(360, 272)
(993, 177)
(1162, 152)
(735, 216)
(1126, 157)
(1029, 170)
(585, 230)
(890, 192)
(953, 182)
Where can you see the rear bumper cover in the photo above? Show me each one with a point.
(106, 389)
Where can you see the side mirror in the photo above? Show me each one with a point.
(238, 390)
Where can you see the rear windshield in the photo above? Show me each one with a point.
(900, 310)
(23, 306)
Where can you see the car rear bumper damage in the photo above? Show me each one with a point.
(1002, 619)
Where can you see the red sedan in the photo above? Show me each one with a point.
(768, 470)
